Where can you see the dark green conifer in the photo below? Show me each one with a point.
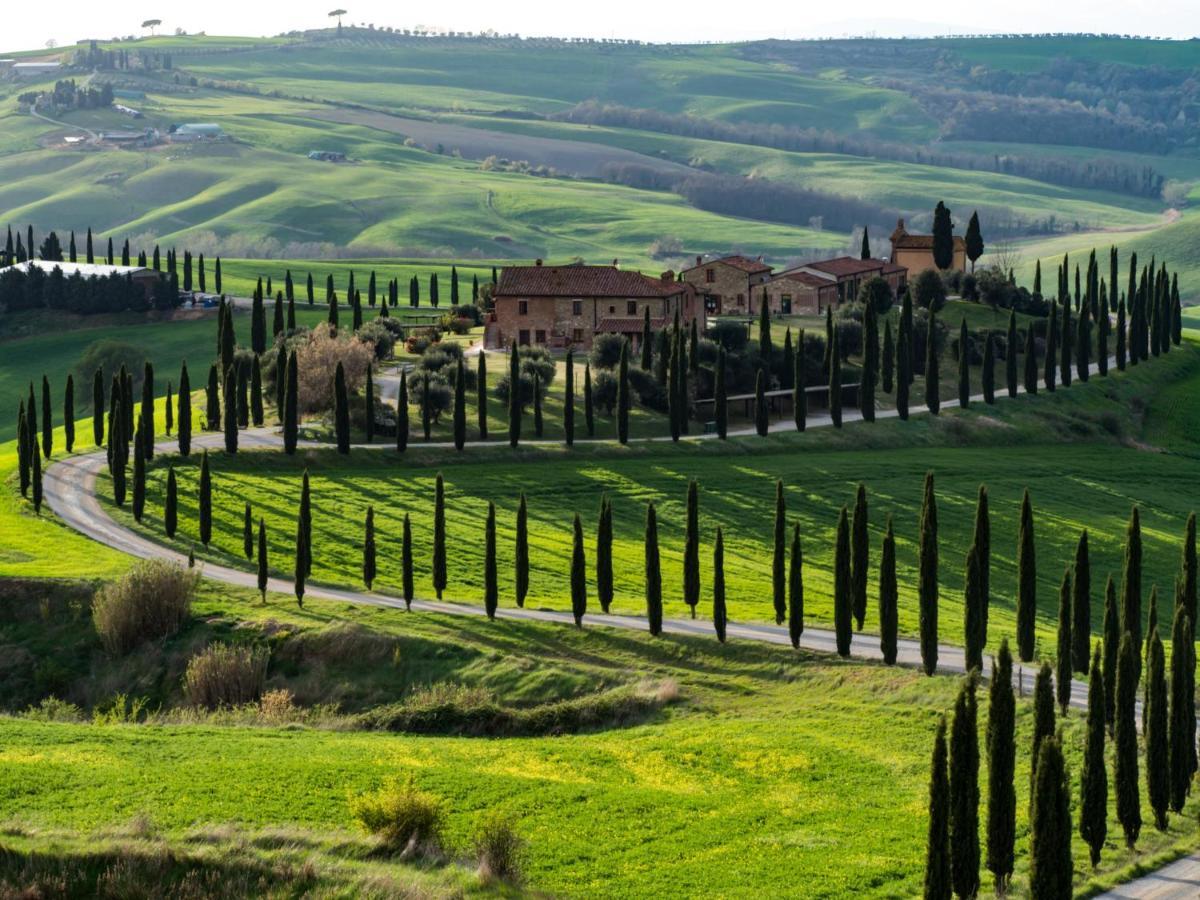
(69, 413)
(205, 501)
(654, 611)
(888, 594)
(406, 562)
(691, 549)
(568, 400)
(604, 566)
(1066, 337)
(1081, 607)
(1010, 355)
(964, 792)
(98, 407)
(859, 557)
(537, 406)
(719, 619)
(1050, 364)
(933, 395)
(1131, 583)
(522, 552)
(1001, 752)
(1043, 721)
(1093, 787)
(229, 401)
(578, 575)
(799, 386)
(1063, 647)
(1026, 582)
(938, 878)
(843, 599)
(720, 400)
(402, 414)
(973, 612)
(835, 384)
(439, 536)
(623, 399)
(341, 410)
(589, 414)
(762, 422)
(306, 520)
(1158, 772)
(263, 566)
(795, 590)
(1125, 765)
(888, 363)
(256, 393)
(481, 395)
(460, 406)
(369, 570)
(988, 373)
(1050, 867)
(1031, 378)
(291, 405)
(491, 587)
(1183, 714)
(964, 366)
(248, 532)
(779, 589)
(171, 506)
(927, 580)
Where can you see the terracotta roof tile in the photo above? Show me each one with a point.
(744, 263)
(582, 281)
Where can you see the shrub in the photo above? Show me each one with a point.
(538, 361)
(380, 336)
(878, 292)
(401, 816)
(649, 392)
(223, 675)
(970, 288)
(606, 351)
(419, 339)
(150, 601)
(733, 336)
(459, 325)
(439, 395)
(109, 356)
(604, 392)
(499, 849)
(467, 311)
(929, 290)
(317, 358)
(51, 709)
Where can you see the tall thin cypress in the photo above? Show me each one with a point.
(1131, 582)
(762, 421)
(1050, 364)
(514, 395)
(973, 612)
(491, 587)
(964, 792)
(799, 387)
(1093, 786)
(263, 565)
(654, 611)
(795, 590)
(248, 532)
(537, 405)
(569, 400)
(291, 405)
(623, 400)
(1125, 765)
(171, 504)
(1063, 648)
(205, 501)
(589, 410)
(888, 361)
(1050, 867)
(778, 584)
(1026, 581)
(1065, 339)
(835, 383)
(481, 395)
(604, 567)
(98, 406)
(184, 433)
(439, 536)
(306, 520)
(933, 396)
(691, 549)
(69, 413)
(341, 410)
(169, 409)
(229, 401)
(1010, 355)
(981, 540)
(720, 400)
(47, 419)
(1188, 573)
(888, 594)
(256, 393)
(843, 600)
(1081, 607)
(460, 406)
(522, 551)
(927, 583)
(406, 562)
(369, 570)
(1001, 753)
(1043, 721)
(402, 414)
(718, 608)
(300, 570)
(578, 575)
(988, 373)
(859, 556)
(1031, 372)
(964, 366)
(1158, 772)
(1121, 336)
(938, 877)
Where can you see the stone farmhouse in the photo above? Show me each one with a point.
(727, 284)
(915, 251)
(567, 306)
(814, 286)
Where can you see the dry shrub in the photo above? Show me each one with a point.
(339, 644)
(317, 358)
(150, 601)
(224, 676)
(277, 707)
(499, 850)
(401, 816)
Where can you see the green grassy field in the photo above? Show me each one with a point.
(771, 765)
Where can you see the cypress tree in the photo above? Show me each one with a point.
(36, 482)
(973, 609)
(870, 367)
(1001, 753)
(964, 366)
(291, 405)
(229, 396)
(1125, 766)
(859, 557)
(604, 568)
(1083, 349)
(522, 552)
(1131, 582)
(933, 395)
(306, 520)
(47, 420)
(439, 536)
(843, 600)
(989, 369)
(927, 585)
(426, 407)
(23, 450)
(281, 364)
(213, 404)
(938, 879)
(332, 317)
(402, 414)
(1026, 581)
(1010, 355)
(69, 413)
(169, 409)
(964, 792)
(765, 348)
(185, 412)
(718, 612)
(369, 548)
(1093, 787)
(1121, 336)
(799, 387)
(903, 362)
(248, 533)
(1050, 866)
(258, 322)
(654, 611)
(256, 393)
(761, 417)
(578, 575)
(888, 368)
(777, 563)
(1031, 379)
(491, 588)
(263, 567)
(589, 415)
(720, 400)
(888, 594)
(514, 396)
(243, 396)
(291, 315)
(460, 406)
(369, 404)
(795, 590)
(1081, 607)
(662, 356)
(1158, 772)
(481, 404)
(341, 410)
(691, 549)
(98, 406)
(647, 342)
(1043, 722)
(835, 383)
(568, 400)
(171, 506)
(981, 540)
(1063, 649)
(116, 443)
(1065, 338)
(1188, 574)
(205, 502)
(623, 401)
(1112, 642)
(406, 562)
(1050, 364)
(1183, 713)
(300, 570)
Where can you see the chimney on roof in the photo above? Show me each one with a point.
(699, 260)
(668, 276)
(538, 262)
(615, 261)
(760, 257)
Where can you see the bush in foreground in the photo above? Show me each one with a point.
(152, 600)
(401, 816)
(221, 675)
(499, 849)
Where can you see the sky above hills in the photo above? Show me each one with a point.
(667, 20)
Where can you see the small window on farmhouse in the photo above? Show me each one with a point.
(577, 307)
(612, 310)
(522, 307)
(709, 276)
(631, 307)
(577, 336)
(523, 337)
